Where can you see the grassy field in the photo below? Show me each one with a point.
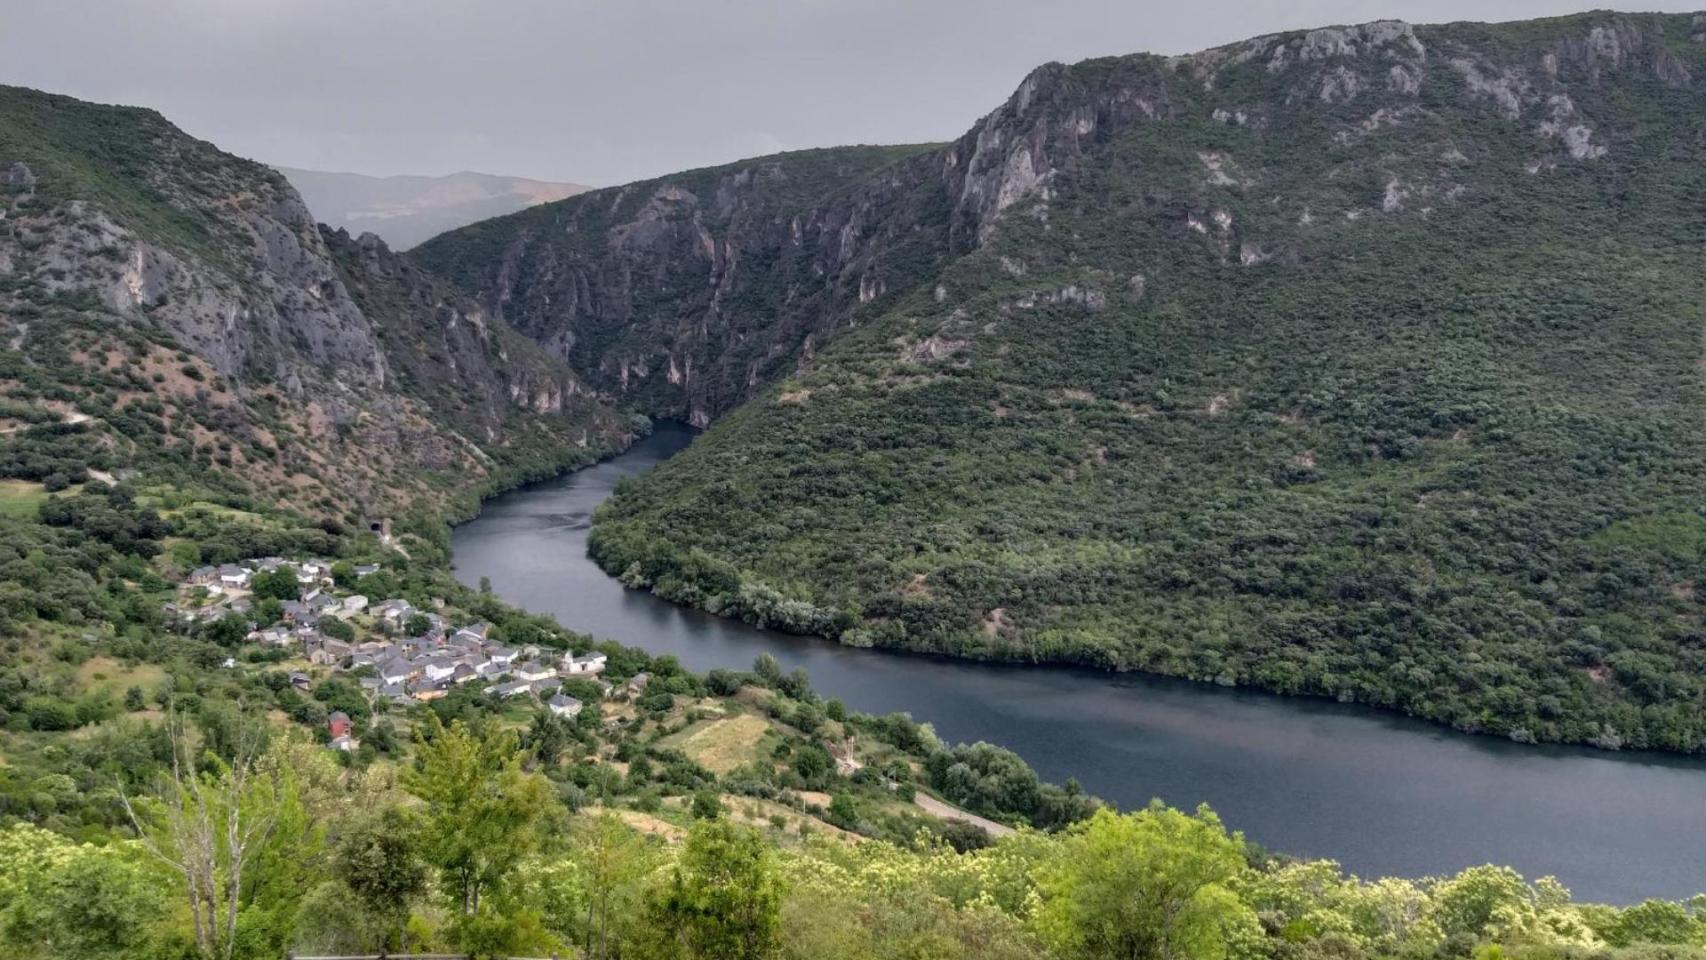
(21, 498)
(219, 510)
(111, 674)
(724, 744)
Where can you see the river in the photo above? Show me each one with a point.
(1382, 794)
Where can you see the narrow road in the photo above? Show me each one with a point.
(948, 811)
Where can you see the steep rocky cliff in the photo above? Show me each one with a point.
(1360, 362)
(686, 294)
(165, 305)
(474, 373)
(689, 293)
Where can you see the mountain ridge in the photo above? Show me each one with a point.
(710, 330)
(186, 306)
(1193, 366)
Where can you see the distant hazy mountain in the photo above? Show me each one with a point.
(405, 210)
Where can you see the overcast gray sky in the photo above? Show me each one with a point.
(606, 91)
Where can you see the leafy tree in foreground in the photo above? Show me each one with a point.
(62, 899)
(547, 738)
(613, 863)
(208, 823)
(377, 859)
(482, 811)
(724, 901)
(1150, 885)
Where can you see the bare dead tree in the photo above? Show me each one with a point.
(207, 826)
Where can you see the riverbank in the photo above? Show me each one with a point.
(466, 504)
(1381, 793)
(764, 607)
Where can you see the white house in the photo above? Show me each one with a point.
(395, 670)
(564, 705)
(477, 632)
(515, 688)
(590, 665)
(395, 611)
(438, 669)
(326, 651)
(274, 636)
(533, 670)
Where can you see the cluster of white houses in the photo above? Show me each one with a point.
(225, 590)
(405, 668)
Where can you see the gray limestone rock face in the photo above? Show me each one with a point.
(735, 273)
(306, 359)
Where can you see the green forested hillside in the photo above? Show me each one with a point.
(1368, 368)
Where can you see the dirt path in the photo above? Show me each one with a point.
(947, 811)
(74, 417)
(649, 825)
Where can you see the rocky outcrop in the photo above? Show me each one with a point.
(1316, 362)
(230, 329)
(686, 295)
(257, 297)
(17, 177)
(683, 295)
(447, 350)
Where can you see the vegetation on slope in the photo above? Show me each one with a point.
(100, 688)
(469, 847)
(730, 815)
(170, 311)
(1385, 396)
(684, 821)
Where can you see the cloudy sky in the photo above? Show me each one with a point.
(606, 91)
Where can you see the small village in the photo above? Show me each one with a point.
(398, 653)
